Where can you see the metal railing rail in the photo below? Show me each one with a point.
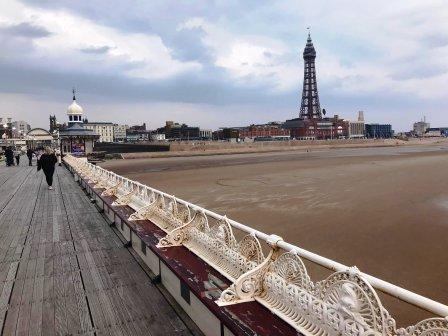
(386, 287)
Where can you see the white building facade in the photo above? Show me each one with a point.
(356, 129)
(158, 136)
(104, 129)
(120, 132)
(206, 134)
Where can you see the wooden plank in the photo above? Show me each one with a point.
(63, 270)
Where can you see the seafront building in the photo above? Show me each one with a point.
(436, 132)
(205, 134)
(261, 132)
(104, 129)
(420, 127)
(177, 131)
(120, 132)
(357, 128)
(376, 131)
(264, 131)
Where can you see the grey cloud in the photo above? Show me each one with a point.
(96, 50)
(212, 85)
(417, 70)
(197, 88)
(25, 29)
(436, 41)
(187, 45)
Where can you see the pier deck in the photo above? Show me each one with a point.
(63, 271)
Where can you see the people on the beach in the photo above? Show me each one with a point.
(9, 155)
(46, 163)
(30, 153)
(17, 154)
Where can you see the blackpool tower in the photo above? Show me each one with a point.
(310, 107)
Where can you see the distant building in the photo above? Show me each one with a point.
(104, 129)
(55, 126)
(206, 134)
(317, 129)
(141, 127)
(379, 131)
(436, 132)
(227, 134)
(20, 128)
(157, 136)
(38, 138)
(133, 135)
(119, 133)
(176, 131)
(420, 127)
(5, 127)
(361, 116)
(270, 130)
(357, 129)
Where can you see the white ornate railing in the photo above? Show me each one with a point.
(344, 303)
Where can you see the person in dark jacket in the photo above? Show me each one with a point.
(46, 163)
(9, 154)
(29, 153)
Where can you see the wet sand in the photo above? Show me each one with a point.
(382, 209)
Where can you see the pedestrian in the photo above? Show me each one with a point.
(46, 163)
(58, 156)
(17, 153)
(30, 153)
(9, 154)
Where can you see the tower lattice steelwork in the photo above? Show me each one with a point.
(310, 107)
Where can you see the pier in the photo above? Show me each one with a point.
(63, 270)
(104, 255)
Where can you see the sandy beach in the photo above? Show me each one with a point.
(382, 209)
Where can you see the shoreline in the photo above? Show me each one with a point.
(203, 149)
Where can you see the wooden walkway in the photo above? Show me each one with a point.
(63, 271)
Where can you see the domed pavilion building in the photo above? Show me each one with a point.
(76, 139)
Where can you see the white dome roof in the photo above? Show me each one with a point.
(74, 108)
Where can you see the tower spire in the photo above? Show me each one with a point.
(73, 90)
(310, 106)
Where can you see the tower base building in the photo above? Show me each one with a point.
(312, 123)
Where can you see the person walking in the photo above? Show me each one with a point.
(9, 154)
(29, 153)
(58, 156)
(17, 156)
(46, 163)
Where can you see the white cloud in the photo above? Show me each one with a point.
(368, 53)
(395, 33)
(249, 59)
(138, 55)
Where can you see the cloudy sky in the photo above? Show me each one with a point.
(224, 62)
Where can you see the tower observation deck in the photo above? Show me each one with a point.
(310, 106)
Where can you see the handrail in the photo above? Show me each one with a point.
(382, 285)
